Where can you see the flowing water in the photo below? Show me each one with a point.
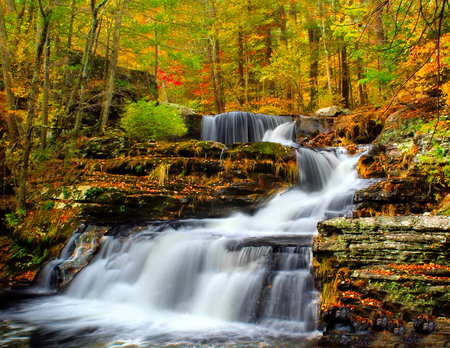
(240, 281)
(240, 126)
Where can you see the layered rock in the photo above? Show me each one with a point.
(397, 268)
(174, 180)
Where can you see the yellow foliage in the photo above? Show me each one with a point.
(426, 66)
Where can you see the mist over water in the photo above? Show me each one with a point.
(230, 281)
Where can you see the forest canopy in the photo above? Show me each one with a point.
(267, 56)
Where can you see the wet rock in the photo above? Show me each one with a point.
(308, 126)
(425, 324)
(405, 190)
(357, 128)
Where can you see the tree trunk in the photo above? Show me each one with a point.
(268, 45)
(13, 129)
(379, 27)
(105, 73)
(380, 34)
(106, 106)
(314, 40)
(86, 63)
(362, 91)
(241, 63)
(217, 77)
(65, 88)
(282, 24)
(327, 57)
(156, 52)
(345, 77)
(46, 95)
(31, 112)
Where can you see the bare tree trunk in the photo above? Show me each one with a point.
(106, 106)
(107, 55)
(379, 26)
(65, 88)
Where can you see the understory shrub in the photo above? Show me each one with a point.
(148, 120)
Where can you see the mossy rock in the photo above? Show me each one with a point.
(405, 123)
(104, 147)
(191, 148)
(444, 207)
(261, 150)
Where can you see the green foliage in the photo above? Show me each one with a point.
(146, 120)
(14, 219)
(434, 165)
(94, 192)
(34, 255)
(48, 205)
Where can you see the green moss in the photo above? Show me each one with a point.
(260, 150)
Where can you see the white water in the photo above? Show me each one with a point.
(238, 279)
(240, 126)
(283, 134)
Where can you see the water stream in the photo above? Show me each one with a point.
(238, 281)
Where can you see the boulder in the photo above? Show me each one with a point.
(309, 126)
(331, 111)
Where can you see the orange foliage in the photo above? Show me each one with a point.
(370, 302)
(419, 268)
(425, 65)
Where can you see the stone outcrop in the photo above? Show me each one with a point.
(396, 268)
(394, 196)
(309, 126)
(173, 180)
(383, 240)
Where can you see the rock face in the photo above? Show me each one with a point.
(173, 180)
(384, 240)
(309, 126)
(389, 197)
(397, 268)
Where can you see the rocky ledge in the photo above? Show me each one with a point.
(173, 180)
(385, 274)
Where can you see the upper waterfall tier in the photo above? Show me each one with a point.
(239, 126)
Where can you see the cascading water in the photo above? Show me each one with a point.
(233, 281)
(237, 279)
(240, 126)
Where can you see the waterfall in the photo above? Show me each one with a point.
(283, 134)
(235, 280)
(240, 126)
